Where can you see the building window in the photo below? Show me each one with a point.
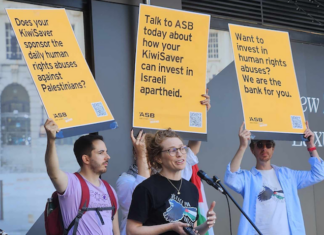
(213, 46)
(15, 116)
(12, 46)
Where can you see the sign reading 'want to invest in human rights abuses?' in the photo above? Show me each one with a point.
(170, 71)
(62, 77)
(267, 80)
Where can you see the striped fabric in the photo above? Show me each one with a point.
(202, 206)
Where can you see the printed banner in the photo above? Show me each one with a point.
(267, 80)
(170, 70)
(62, 77)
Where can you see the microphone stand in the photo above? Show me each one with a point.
(225, 192)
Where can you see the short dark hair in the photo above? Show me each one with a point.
(255, 141)
(83, 146)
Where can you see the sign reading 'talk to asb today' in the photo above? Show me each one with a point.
(170, 71)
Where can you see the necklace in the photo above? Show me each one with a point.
(175, 186)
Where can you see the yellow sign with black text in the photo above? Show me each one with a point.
(267, 80)
(170, 70)
(62, 77)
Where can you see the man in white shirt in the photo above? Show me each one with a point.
(270, 192)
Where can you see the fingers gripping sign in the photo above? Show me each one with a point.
(51, 128)
(244, 136)
(206, 101)
(308, 134)
(211, 215)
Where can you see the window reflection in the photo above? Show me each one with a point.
(220, 53)
(15, 116)
(12, 47)
(24, 184)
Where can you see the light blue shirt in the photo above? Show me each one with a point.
(249, 184)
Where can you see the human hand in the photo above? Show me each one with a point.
(206, 101)
(310, 135)
(244, 136)
(178, 227)
(51, 129)
(139, 144)
(211, 215)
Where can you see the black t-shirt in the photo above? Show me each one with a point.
(155, 201)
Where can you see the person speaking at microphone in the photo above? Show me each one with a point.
(165, 203)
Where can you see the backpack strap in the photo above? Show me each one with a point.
(112, 197)
(85, 198)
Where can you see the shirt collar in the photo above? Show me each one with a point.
(255, 171)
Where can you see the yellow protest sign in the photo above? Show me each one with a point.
(170, 70)
(62, 77)
(267, 80)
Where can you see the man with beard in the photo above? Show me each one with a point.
(270, 192)
(91, 154)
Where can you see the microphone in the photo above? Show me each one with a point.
(209, 181)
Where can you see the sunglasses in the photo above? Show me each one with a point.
(261, 145)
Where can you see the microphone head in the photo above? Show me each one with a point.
(201, 174)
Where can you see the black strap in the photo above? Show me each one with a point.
(81, 212)
(76, 220)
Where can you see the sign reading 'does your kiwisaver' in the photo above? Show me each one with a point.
(267, 80)
(62, 77)
(170, 71)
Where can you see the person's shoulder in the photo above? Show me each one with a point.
(150, 183)
(125, 179)
(188, 184)
(73, 180)
(283, 169)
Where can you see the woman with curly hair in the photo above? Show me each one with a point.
(165, 203)
(140, 169)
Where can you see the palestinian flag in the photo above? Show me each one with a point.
(202, 206)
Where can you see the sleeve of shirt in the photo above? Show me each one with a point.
(125, 186)
(141, 205)
(308, 178)
(235, 180)
(192, 160)
(73, 183)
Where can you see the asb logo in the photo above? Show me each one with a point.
(255, 119)
(60, 115)
(146, 115)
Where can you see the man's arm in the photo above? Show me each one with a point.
(192, 144)
(234, 178)
(116, 225)
(310, 144)
(244, 136)
(316, 174)
(57, 176)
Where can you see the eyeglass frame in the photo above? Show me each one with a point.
(266, 144)
(177, 150)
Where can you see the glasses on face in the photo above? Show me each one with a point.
(268, 144)
(173, 151)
